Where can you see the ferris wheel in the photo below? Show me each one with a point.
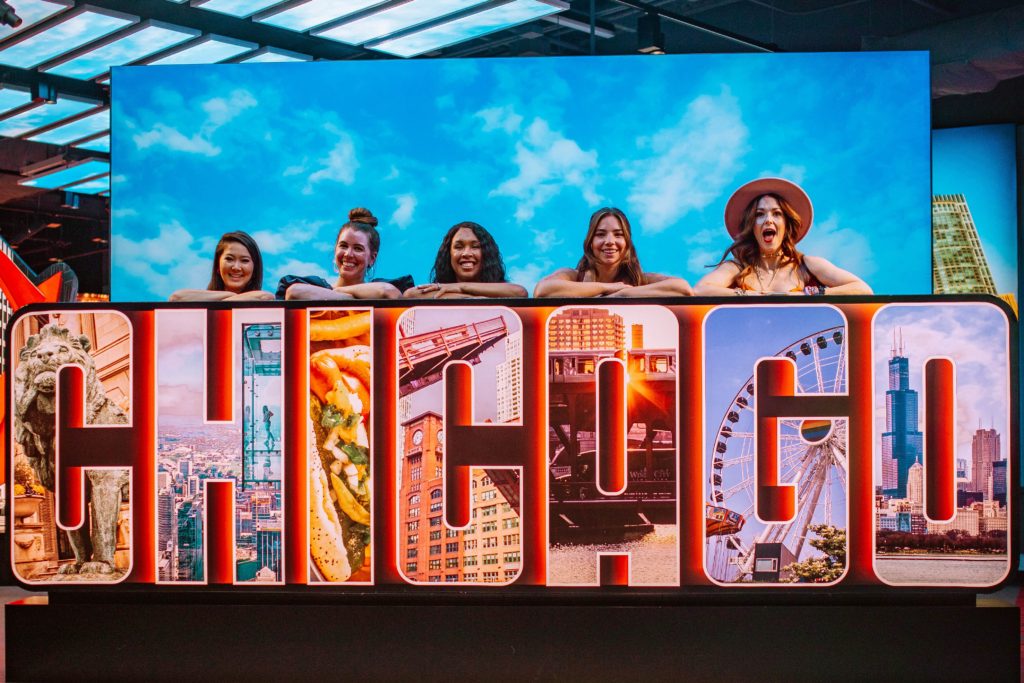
(813, 455)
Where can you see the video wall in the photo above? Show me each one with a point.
(528, 148)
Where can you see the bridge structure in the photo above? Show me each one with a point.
(422, 357)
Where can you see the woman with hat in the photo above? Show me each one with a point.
(766, 218)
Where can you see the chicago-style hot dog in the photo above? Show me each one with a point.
(339, 462)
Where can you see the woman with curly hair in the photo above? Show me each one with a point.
(237, 273)
(766, 218)
(609, 266)
(468, 265)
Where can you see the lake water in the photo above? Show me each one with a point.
(943, 569)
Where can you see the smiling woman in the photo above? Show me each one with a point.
(766, 218)
(237, 273)
(610, 266)
(355, 251)
(468, 265)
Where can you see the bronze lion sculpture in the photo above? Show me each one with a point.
(35, 393)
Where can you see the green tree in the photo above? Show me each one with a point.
(822, 569)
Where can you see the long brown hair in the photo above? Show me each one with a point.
(237, 237)
(745, 250)
(629, 271)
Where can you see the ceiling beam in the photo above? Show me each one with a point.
(207, 21)
(699, 25)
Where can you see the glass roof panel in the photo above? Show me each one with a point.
(273, 54)
(466, 28)
(101, 144)
(31, 13)
(10, 98)
(216, 49)
(397, 18)
(238, 8)
(136, 46)
(68, 176)
(75, 32)
(43, 115)
(68, 133)
(94, 186)
(316, 12)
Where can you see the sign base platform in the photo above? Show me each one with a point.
(69, 640)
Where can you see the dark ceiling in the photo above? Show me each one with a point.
(977, 75)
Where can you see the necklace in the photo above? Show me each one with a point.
(757, 272)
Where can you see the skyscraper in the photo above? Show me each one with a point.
(958, 262)
(901, 441)
(510, 380)
(984, 451)
(915, 483)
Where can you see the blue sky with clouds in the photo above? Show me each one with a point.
(527, 147)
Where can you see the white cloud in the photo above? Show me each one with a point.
(170, 261)
(124, 213)
(699, 259)
(282, 240)
(546, 240)
(548, 162)
(402, 217)
(500, 118)
(529, 275)
(690, 164)
(791, 172)
(295, 169)
(219, 111)
(847, 248)
(340, 164)
(162, 135)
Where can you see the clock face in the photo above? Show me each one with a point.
(440, 435)
(417, 437)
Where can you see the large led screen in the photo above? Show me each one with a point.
(528, 148)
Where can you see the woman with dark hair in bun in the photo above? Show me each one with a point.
(468, 265)
(237, 273)
(355, 250)
(609, 266)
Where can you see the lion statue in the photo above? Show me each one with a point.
(35, 393)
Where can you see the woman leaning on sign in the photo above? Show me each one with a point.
(766, 218)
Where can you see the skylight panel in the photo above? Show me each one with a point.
(11, 99)
(394, 19)
(238, 8)
(32, 12)
(78, 30)
(76, 130)
(274, 54)
(214, 49)
(43, 115)
(100, 144)
(69, 176)
(147, 41)
(466, 28)
(94, 186)
(316, 12)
